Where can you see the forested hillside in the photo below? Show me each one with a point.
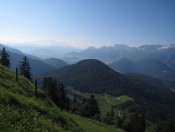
(149, 94)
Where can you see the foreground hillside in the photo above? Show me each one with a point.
(22, 111)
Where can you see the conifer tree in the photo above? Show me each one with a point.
(25, 68)
(50, 86)
(118, 122)
(63, 100)
(137, 123)
(93, 106)
(4, 58)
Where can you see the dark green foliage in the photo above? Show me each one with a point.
(63, 101)
(74, 108)
(4, 58)
(16, 74)
(87, 107)
(137, 123)
(50, 86)
(94, 76)
(109, 119)
(91, 76)
(84, 109)
(36, 88)
(93, 106)
(118, 122)
(25, 68)
(112, 113)
(75, 99)
(56, 93)
(169, 126)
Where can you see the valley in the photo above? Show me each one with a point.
(126, 87)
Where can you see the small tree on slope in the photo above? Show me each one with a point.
(4, 58)
(25, 68)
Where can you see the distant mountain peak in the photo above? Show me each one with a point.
(123, 46)
(12, 50)
(166, 47)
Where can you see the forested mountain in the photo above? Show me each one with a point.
(94, 76)
(151, 67)
(39, 66)
(57, 63)
(91, 76)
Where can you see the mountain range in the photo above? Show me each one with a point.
(47, 50)
(39, 66)
(150, 67)
(153, 60)
(110, 54)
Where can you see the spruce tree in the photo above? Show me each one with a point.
(93, 106)
(50, 86)
(25, 68)
(118, 122)
(64, 102)
(4, 58)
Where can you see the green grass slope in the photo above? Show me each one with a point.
(105, 101)
(20, 110)
(90, 125)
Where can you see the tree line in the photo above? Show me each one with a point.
(24, 65)
(56, 92)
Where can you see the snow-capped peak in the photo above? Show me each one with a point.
(166, 47)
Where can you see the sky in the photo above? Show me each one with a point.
(84, 23)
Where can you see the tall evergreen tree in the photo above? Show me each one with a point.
(137, 123)
(118, 122)
(25, 68)
(4, 58)
(64, 102)
(50, 86)
(93, 106)
(109, 119)
(56, 93)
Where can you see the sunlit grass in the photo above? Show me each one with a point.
(20, 110)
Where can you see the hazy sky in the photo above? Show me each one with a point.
(83, 23)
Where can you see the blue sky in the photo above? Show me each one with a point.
(83, 23)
